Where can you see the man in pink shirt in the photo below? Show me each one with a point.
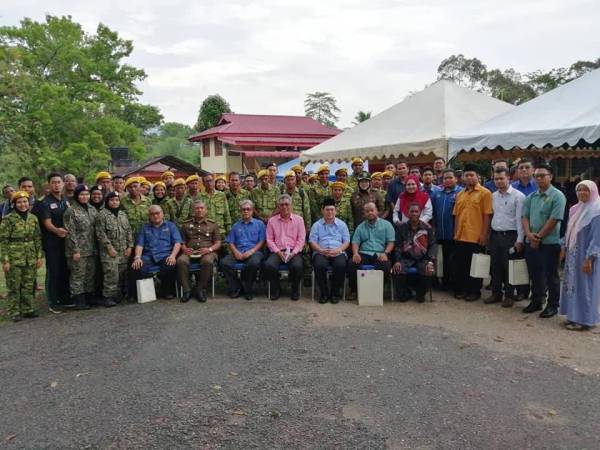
(286, 237)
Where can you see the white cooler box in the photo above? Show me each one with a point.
(370, 287)
(145, 290)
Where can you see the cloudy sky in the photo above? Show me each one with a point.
(263, 56)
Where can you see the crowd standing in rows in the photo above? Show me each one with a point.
(98, 241)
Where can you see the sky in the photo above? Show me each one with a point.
(263, 56)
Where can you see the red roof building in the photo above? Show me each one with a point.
(242, 142)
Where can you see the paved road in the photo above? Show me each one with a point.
(236, 374)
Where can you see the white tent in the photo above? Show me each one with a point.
(565, 115)
(418, 125)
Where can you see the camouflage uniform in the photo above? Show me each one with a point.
(81, 238)
(359, 199)
(21, 246)
(137, 213)
(265, 201)
(348, 191)
(319, 192)
(218, 210)
(352, 181)
(233, 200)
(344, 212)
(178, 211)
(113, 232)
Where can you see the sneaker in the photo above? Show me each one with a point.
(55, 309)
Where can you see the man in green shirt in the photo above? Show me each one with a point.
(543, 210)
(264, 197)
(235, 195)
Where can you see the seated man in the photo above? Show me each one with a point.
(372, 244)
(158, 244)
(329, 239)
(285, 239)
(202, 240)
(415, 247)
(246, 238)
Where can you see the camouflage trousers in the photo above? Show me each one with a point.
(115, 276)
(20, 281)
(83, 272)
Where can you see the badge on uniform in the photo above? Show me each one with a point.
(53, 206)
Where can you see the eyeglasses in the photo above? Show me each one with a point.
(541, 175)
(246, 209)
(156, 213)
(285, 204)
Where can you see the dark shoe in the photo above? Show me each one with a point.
(494, 298)
(202, 295)
(17, 318)
(420, 298)
(186, 297)
(235, 294)
(520, 297)
(295, 295)
(532, 307)
(508, 302)
(322, 299)
(109, 302)
(572, 326)
(549, 312)
(55, 309)
(334, 300)
(30, 315)
(275, 293)
(81, 303)
(472, 297)
(169, 295)
(351, 296)
(403, 298)
(459, 295)
(248, 296)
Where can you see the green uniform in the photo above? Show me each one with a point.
(352, 181)
(218, 210)
(265, 201)
(348, 191)
(137, 213)
(80, 224)
(319, 192)
(178, 211)
(358, 201)
(113, 232)
(343, 211)
(21, 247)
(233, 200)
(301, 205)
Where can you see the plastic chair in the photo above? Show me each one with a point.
(329, 271)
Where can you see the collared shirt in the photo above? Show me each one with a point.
(527, 189)
(508, 208)
(54, 209)
(443, 204)
(286, 233)
(373, 238)
(158, 241)
(431, 189)
(395, 188)
(490, 186)
(470, 208)
(245, 235)
(4, 209)
(541, 206)
(329, 235)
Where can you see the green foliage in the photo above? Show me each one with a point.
(171, 139)
(322, 107)
(361, 116)
(66, 97)
(210, 111)
(468, 72)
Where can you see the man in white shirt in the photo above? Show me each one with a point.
(506, 233)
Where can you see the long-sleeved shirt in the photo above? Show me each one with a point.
(329, 235)
(286, 233)
(508, 207)
(443, 205)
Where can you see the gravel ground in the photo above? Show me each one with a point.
(261, 374)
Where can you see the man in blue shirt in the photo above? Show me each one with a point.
(396, 187)
(329, 238)
(158, 244)
(246, 239)
(443, 221)
(429, 185)
(526, 183)
(497, 164)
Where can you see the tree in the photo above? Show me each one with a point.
(361, 116)
(66, 96)
(467, 72)
(509, 86)
(211, 110)
(171, 138)
(322, 107)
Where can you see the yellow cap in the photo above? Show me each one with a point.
(179, 182)
(17, 195)
(342, 170)
(159, 183)
(262, 173)
(166, 174)
(132, 180)
(388, 174)
(297, 168)
(376, 175)
(357, 161)
(191, 178)
(102, 176)
(221, 177)
(289, 173)
(323, 168)
(338, 185)
(313, 177)
(144, 181)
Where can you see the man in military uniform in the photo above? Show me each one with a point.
(319, 191)
(221, 183)
(105, 180)
(235, 195)
(118, 184)
(135, 205)
(272, 169)
(21, 256)
(168, 178)
(264, 197)
(300, 201)
(342, 204)
(216, 204)
(386, 179)
(298, 170)
(201, 242)
(363, 195)
(193, 187)
(342, 175)
(178, 208)
(357, 168)
(377, 183)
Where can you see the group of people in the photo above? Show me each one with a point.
(98, 241)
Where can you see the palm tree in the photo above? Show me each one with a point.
(361, 116)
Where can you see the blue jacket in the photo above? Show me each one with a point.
(443, 205)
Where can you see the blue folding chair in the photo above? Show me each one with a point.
(329, 271)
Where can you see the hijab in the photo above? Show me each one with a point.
(110, 195)
(581, 214)
(78, 190)
(418, 197)
(99, 204)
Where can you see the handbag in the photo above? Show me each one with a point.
(517, 272)
(145, 290)
(480, 265)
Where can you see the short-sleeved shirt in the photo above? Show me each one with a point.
(200, 233)
(245, 235)
(54, 209)
(373, 238)
(329, 235)
(158, 241)
(470, 208)
(541, 206)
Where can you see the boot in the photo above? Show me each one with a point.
(108, 302)
(80, 302)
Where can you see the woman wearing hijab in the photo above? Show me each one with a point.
(97, 197)
(412, 195)
(580, 290)
(159, 191)
(116, 243)
(21, 256)
(80, 247)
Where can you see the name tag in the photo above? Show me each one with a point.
(53, 206)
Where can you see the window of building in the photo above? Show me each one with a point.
(218, 147)
(206, 148)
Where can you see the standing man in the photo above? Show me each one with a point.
(118, 185)
(386, 179)
(429, 180)
(249, 182)
(272, 169)
(341, 175)
(396, 187)
(363, 195)
(490, 185)
(246, 239)
(178, 208)
(439, 164)
(300, 202)
(264, 197)
(391, 168)
(526, 182)
(357, 169)
(167, 177)
(105, 180)
(343, 207)
(507, 233)
(70, 182)
(472, 217)
(235, 195)
(135, 205)
(7, 192)
(319, 191)
(286, 237)
(216, 204)
(201, 243)
(193, 187)
(298, 169)
(26, 185)
(542, 213)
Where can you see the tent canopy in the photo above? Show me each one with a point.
(566, 115)
(418, 125)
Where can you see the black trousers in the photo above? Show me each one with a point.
(271, 271)
(166, 276)
(57, 276)
(542, 264)
(500, 243)
(448, 248)
(463, 253)
(367, 260)
(248, 275)
(420, 282)
(338, 265)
